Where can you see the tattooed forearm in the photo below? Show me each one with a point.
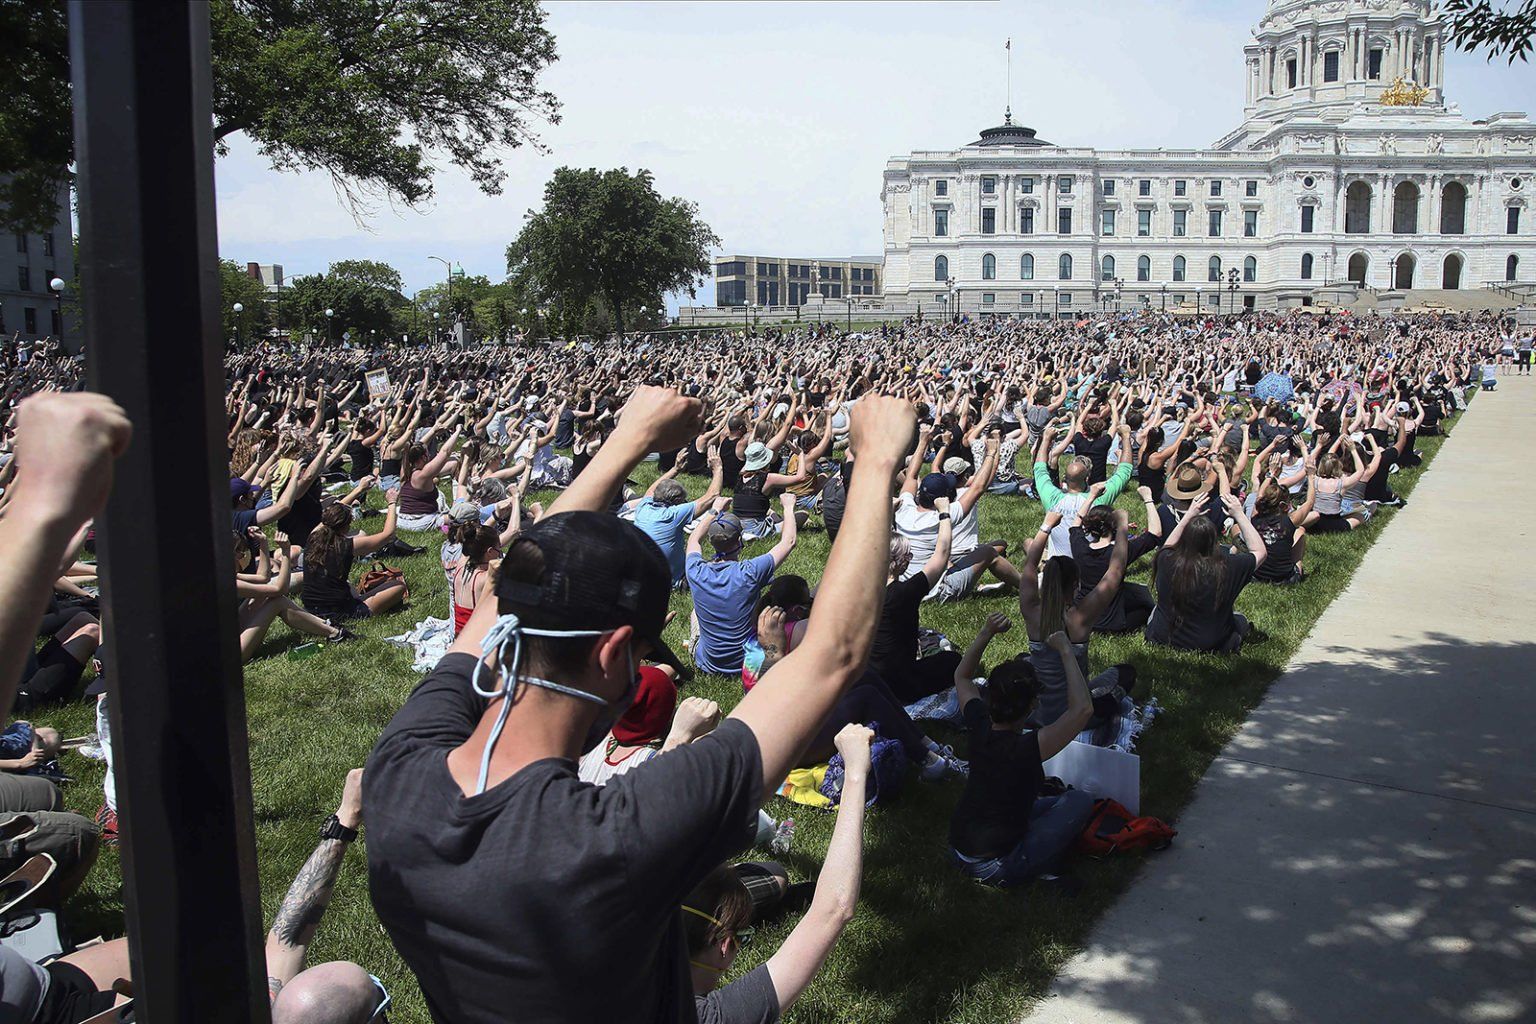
(771, 655)
(309, 894)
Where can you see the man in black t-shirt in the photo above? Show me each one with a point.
(894, 654)
(509, 886)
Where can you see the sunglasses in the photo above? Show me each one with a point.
(743, 936)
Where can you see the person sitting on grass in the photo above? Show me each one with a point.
(751, 499)
(654, 724)
(1074, 495)
(1093, 542)
(1198, 582)
(1049, 604)
(894, 655)
(665, 514)
(263, 593)
(1003, 832)
(717, 914)
(328, 557)
(1331, 484)
(725, 588)
(478, 821)
(1285, 539)
(918, 519)
(336, 992)
(420, 500)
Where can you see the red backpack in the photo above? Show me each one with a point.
(1111, 827)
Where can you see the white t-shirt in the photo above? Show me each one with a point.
(1070, 506)
(596, 769)
(920, 526)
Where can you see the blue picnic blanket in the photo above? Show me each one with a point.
(1274, 387)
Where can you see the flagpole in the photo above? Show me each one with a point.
(1008, 106)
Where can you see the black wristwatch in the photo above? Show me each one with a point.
(943, 516)
(334, 829)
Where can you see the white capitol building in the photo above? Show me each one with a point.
(1349, 169)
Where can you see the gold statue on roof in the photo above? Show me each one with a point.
(1403, 93)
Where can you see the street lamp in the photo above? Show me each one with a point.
(1198, 292)
(57, 286)
(954, 300)
(1055, 302)
(328, 324)
(437, 331)
(849, 298)
(1165, 298)
(1232, 286)
(238, 308)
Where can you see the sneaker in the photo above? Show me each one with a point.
(341, 636)
(106, 818)
(934, 767)
(941, 761)
(991, 588)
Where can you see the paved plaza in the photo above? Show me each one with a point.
(1365, 848)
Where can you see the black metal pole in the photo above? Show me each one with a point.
(142, 88)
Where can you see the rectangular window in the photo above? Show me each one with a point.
(1180, 223)
(988, 298)
(1331, 66)
(1143, 223)
(762, 270)
(24, 278)
(1109, 186)
(1106, 222)
(1144, 187)
(1064, 184)
(1512, 221)
(1213, 226)
(1066, 299)
(21, 242)
(1029, 220)
(940, 223)
(1026, 298)
(1251, 188)
(989, 220)
(1307, 212)
(941, 187)
(1027, 185)
(988, 186)
(1373, 66)
(1250, 223)
(48, 245)
(1290, 73)
(1215, 186)
(1179, 186)
(762, 293)
(1063, 222)
(29, 320)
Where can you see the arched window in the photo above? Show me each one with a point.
(1450, 276)
(1405, 209)
(1107, 269)
(941, 268)
(1250, 269)
(1359, 268)
(1027, 267)
(1143, 268)
(1357, 209)
(1213, 269)
(1510, 266)
(989, 267)
(1306, 266)
(1453, 209)
(1064, 267)
(1178, 268)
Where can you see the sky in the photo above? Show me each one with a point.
(777, 118)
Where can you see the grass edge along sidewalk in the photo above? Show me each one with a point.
(925, 945)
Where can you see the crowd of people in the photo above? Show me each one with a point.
(550, 804)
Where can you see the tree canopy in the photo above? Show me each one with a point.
(363, 297)
(608, 236)
(362, 90)
(1503, 31)
(235, 285)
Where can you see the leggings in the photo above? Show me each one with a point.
(54, 678)
(868, 701)
(912, 681)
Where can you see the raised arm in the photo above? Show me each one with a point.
(790, 532)
(1053, 738)
(1251, 539)
(654, 419)
(785, 716)
(934, 568)
(970, 663)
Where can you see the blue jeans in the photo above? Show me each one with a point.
(1004, 486)
(1055, 822)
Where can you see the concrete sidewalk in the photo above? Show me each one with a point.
(1365, 848)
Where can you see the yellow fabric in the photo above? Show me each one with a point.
(803, 786)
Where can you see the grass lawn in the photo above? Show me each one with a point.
(926, 944)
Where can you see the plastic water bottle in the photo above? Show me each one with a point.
(783, 836)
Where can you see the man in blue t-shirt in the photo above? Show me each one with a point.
(725, 589)
(665, 512)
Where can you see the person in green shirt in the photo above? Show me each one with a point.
(1075, 494)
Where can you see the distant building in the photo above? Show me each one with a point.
(27, 264)
(269, 274)
(775, 281)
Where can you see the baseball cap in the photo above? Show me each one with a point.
(756, 457)
(957, 467)
(464, 512)
(238, 488)
(600, 572)
(936, 485)
(725, 532)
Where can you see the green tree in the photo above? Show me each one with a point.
(360, 89)
(362, 295)
(1504, 31)
(237, 286)
(608, 234)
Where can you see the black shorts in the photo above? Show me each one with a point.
(358, 609)
(72, 996)
(1330, 523)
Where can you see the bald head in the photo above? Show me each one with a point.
(338, 992)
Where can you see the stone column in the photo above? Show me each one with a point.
(1433, 227)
